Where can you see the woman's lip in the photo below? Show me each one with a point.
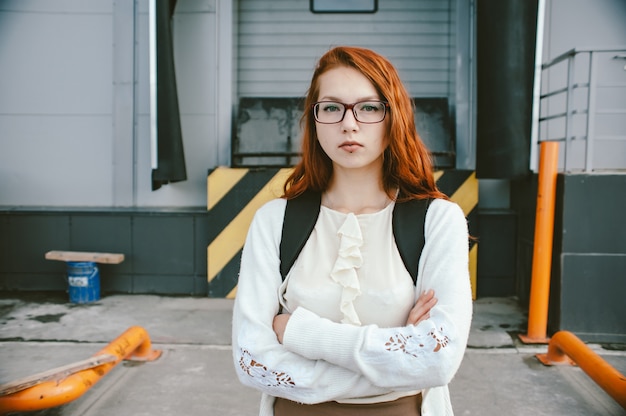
(350, 144)
(350, 147)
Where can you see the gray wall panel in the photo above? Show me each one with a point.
(497, 253)
(592, 296)
(589, 258)
(165, 283)
(56, 281)
(111, 281)
(165, 251)
(101, 233)
(163, 245)
(201, 242)
(32, 236)
(592, 210)
(5, 241)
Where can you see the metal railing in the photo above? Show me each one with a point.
(569, 111)
(565, 348)
(62, 385)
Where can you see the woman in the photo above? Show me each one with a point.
(347, 332)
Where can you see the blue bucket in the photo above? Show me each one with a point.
(83, 278)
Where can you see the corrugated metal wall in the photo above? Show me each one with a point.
(279, 42)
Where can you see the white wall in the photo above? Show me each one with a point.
(195, 50)
(74, 101)
(587, 24)
(56, 101)
(62, 103)
(583, 23)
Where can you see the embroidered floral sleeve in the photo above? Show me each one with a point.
(271, 369)
(268, 377)
(416, 345)
(415, 357)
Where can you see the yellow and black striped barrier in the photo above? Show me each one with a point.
(234, 195)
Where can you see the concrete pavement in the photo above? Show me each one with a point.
(195, 374)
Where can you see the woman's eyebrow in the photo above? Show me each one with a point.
(333, 98)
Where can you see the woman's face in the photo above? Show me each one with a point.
(350, 144)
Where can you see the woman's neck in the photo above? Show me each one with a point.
(359, 194)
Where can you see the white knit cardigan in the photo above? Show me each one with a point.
(321, 360)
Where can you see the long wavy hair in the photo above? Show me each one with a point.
(407, 166)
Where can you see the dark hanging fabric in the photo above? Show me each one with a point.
(506, 33)
(170, 154)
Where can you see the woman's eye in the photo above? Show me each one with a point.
(368, 107)
(330, 108)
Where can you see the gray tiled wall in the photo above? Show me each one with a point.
(165, 251)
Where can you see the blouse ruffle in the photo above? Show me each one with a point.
(344, 269)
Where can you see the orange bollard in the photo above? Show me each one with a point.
(542, 252)
(564, 344)
(133, 344)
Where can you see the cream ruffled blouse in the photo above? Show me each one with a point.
(350, 271)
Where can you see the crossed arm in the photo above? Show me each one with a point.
(303, 357)
(419, 313)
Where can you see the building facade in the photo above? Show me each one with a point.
(78, 151)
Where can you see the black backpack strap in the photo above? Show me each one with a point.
(408, 231)
(300, 217)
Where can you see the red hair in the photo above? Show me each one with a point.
(407, 165)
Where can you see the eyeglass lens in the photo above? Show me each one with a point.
(365, 111)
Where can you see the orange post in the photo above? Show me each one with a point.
(542, 252)
(133, 344)
(565, 345)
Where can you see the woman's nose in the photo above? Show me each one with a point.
(349, 121)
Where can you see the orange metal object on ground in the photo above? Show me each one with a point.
(542, 251)
(565, 346)
(134, 344)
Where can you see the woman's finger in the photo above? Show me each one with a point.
(421, 310)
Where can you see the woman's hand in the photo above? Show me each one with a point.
(279, 325)
(421, 310)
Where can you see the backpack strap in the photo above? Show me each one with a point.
(408, 231)
(300, 217)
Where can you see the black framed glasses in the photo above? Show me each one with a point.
(368, 112)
